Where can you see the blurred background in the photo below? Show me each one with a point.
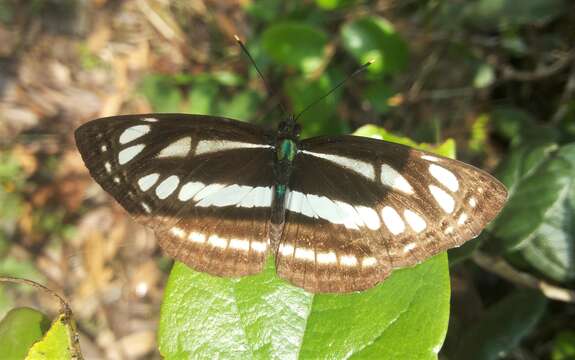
(496, 76)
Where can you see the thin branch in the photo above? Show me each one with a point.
(498, 266)
(566, 97)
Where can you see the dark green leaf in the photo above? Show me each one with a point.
(19, 330)
(494, 14)
(537, 219)
(374, 38)
(334, 4)
(295, 44)
(241, 106)
(519, 126)
(378, 95)
(503, 326)
(322, 117)
(564, 346)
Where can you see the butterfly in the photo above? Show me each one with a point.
(339, 213)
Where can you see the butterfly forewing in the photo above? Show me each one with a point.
(360, 207)
(202, 183)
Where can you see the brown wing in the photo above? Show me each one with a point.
(202, 183)
(360, 207)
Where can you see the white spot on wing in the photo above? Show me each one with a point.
(430, 158)
(129, 153)
(208, 190)
(392, 178)
(348, 260)
(103, 148)
(415, 221)
(189, 189)
(108, 167)
(445, 201)
(210, 146)
(328, 257)
(179, 148)
(363, 168)
(304, 254)
(146, 207)
(325, 208)
(351, 218)
(150, 119)
(217, 241)
(258, 246)
(197, 237)
(392, 220)
(444, 176)
(286, 249)
(407, 248)
(133, 132)
(369, 217)
(473, 202)
(260, 196)
(298, 202)
(368, 261)
(462, 219)
(240, 244)
(227, 196)
(167, 186)
(177, 232)
(146, 182)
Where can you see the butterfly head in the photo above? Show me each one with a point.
(289, 128)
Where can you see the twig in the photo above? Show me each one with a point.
(498, 266)
(566, 97)
(510, 73)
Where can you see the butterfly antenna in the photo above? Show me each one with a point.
(268, 88)
(353, 74)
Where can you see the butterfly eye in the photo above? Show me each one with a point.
(297, 129)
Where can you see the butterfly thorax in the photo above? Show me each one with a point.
(286, 150)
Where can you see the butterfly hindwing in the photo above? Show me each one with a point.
(360, 207)
(202, 183)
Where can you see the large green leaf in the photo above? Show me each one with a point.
(374, 38)
(262, 317)
(537, 221)
(502, 326)
(19, 329)
(295, 44)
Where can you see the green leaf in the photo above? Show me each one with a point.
(320, 118)
(162, 93)
(374, 38)
(484, 77)
(263, 317)
(334, 4)
(19, 330)
(537, 220)
(201, 99)
(519, 126)
(295, 44)
(447, 148)
(57, 343)
(241, 106)
(378, 94)
(495, 14)
(502, 327)
(564, 346)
